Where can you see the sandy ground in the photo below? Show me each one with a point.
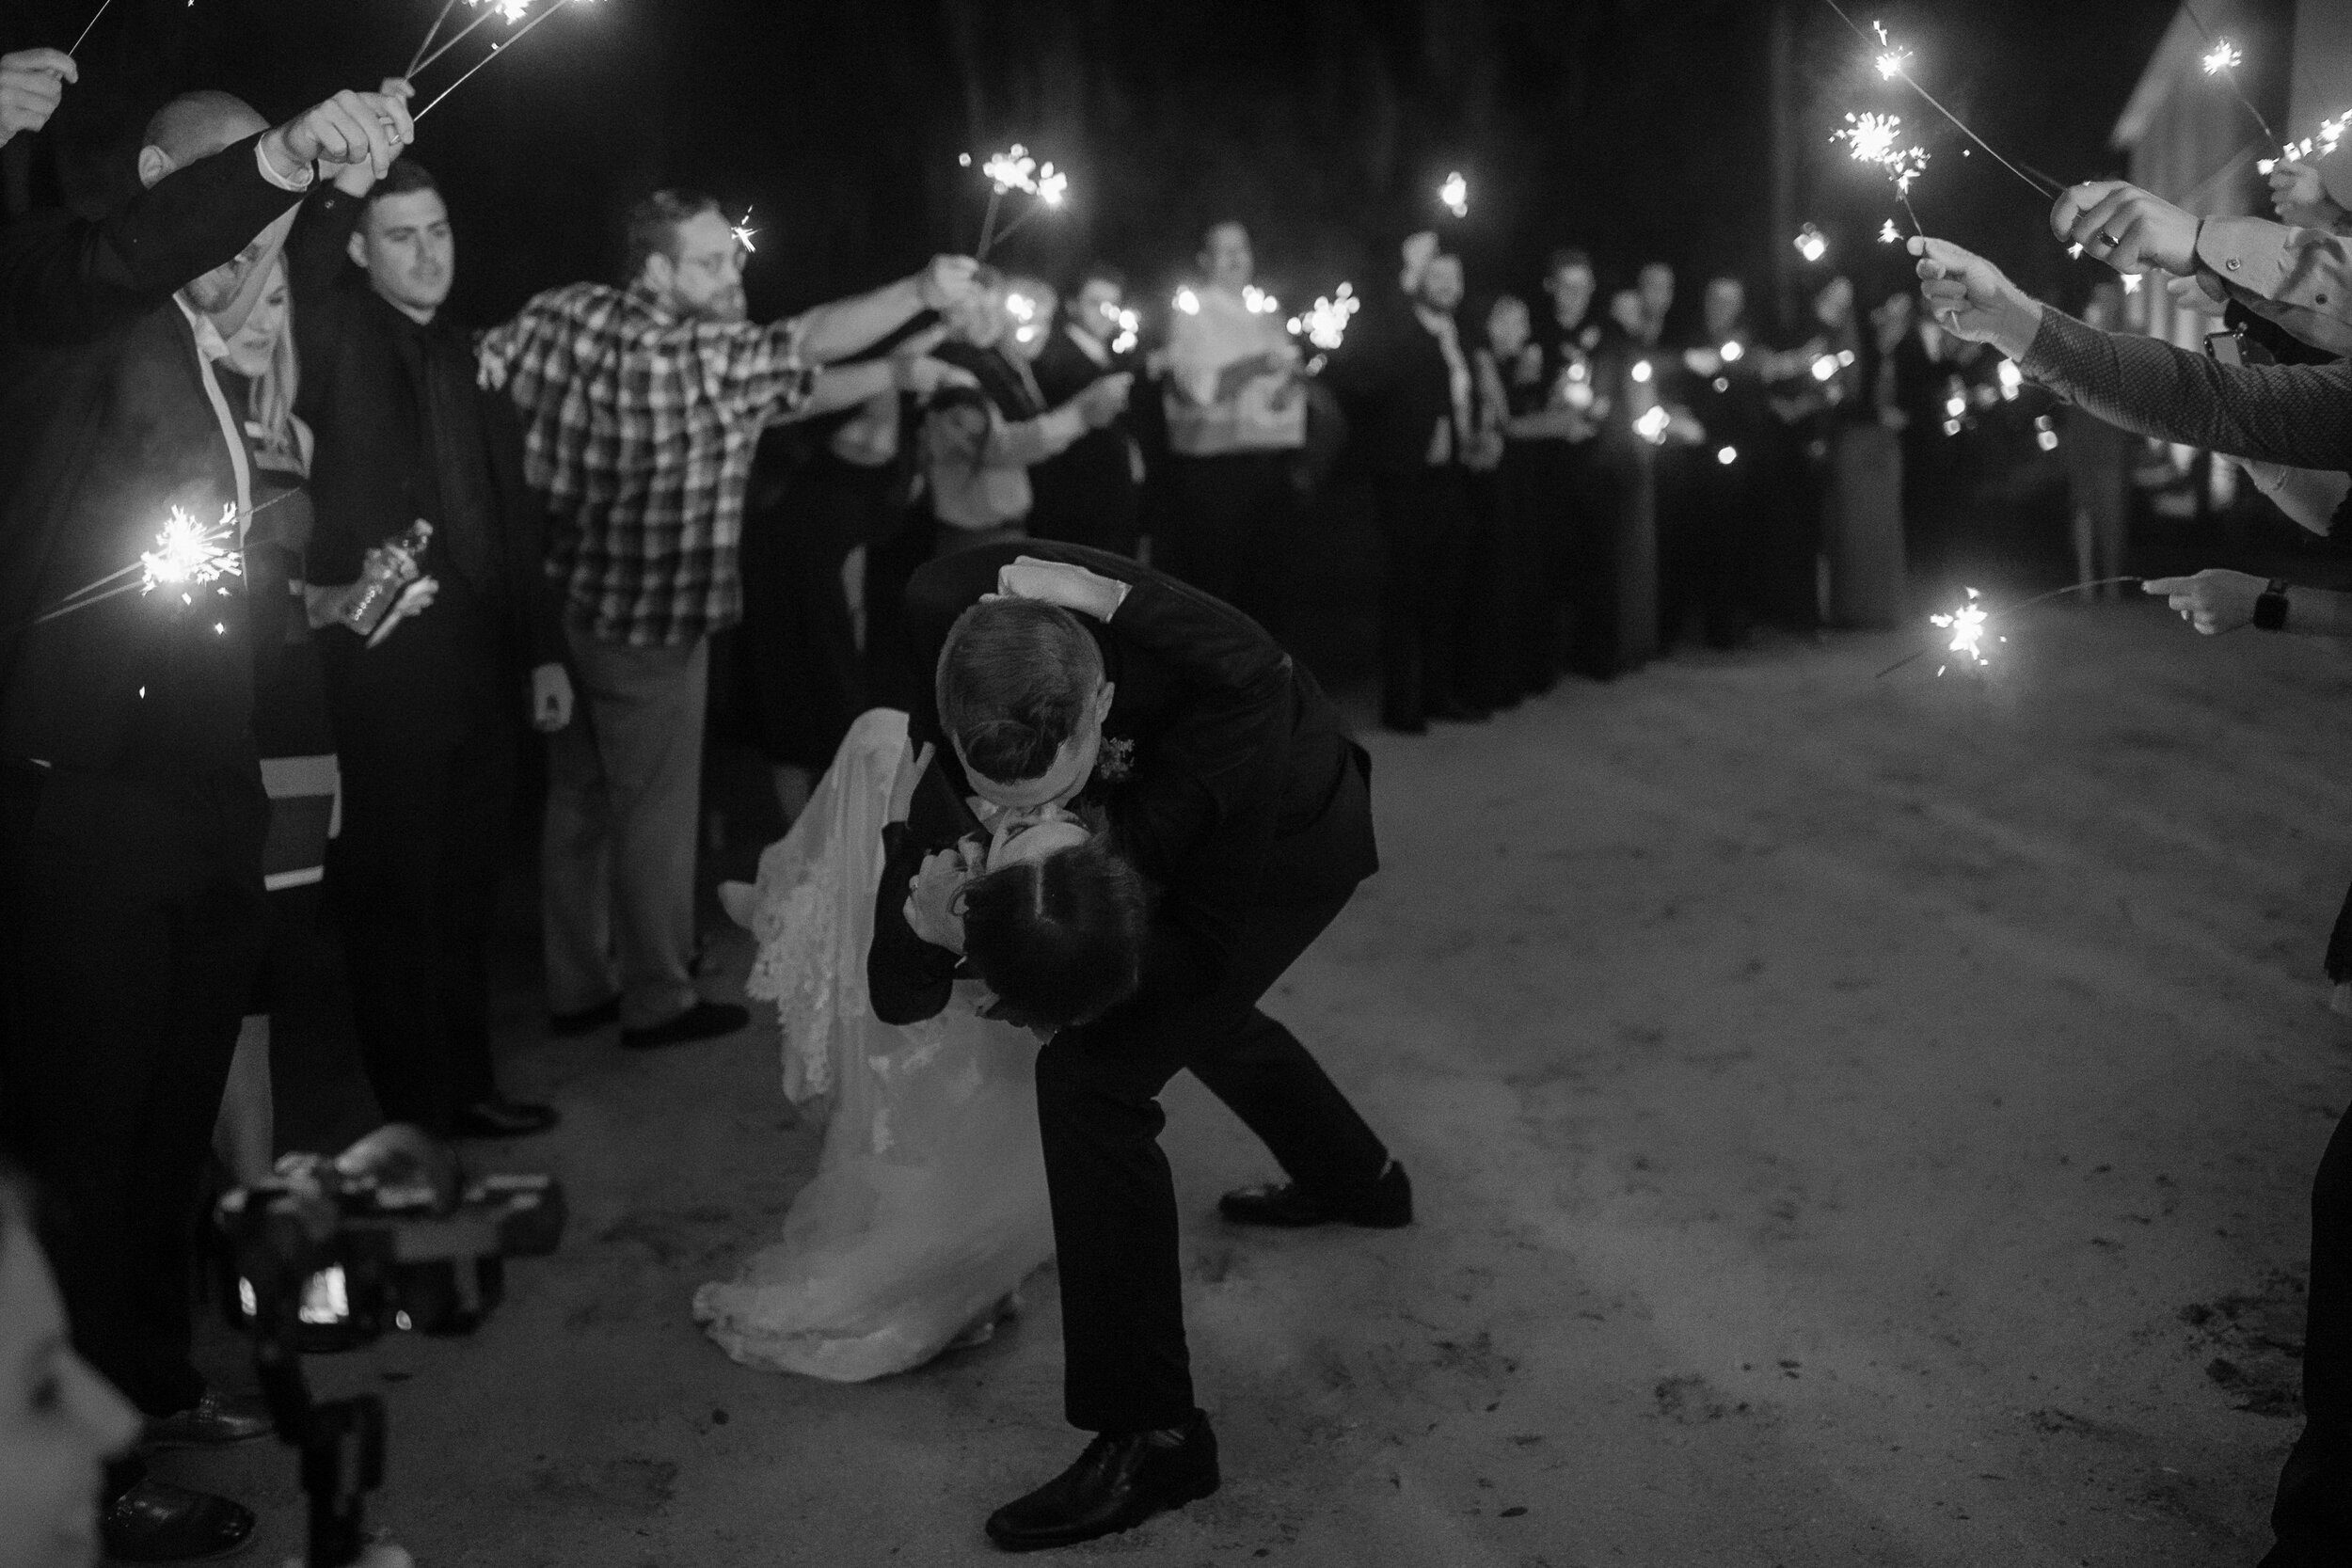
(1855, 1121)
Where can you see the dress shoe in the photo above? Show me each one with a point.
(157, 1522)
(1383, 1204)
(585, 1021)
(214, 1421)
(501, 1117)
(703, 1020)
(1121, 1479)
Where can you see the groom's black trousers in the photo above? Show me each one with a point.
(1124, 1363)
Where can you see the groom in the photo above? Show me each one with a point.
(1232, 781)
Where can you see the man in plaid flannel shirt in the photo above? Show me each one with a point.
(643, 407)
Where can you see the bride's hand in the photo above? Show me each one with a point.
(931, 893)
(912, 765)
(1057, 582)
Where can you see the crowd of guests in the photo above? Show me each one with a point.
(438, 538)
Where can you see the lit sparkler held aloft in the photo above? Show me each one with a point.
(1014, 170)
(509, 8)
(2221, 59)
(1324, 323)
(2322, 143)
(1455, 195)
(1876, 139)
(509, 11)
(1893, 63)
(744, 232)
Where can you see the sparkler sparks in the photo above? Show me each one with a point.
(2322, 142)
(1016, 170)
(1187, 301)
(1890, 60)
(1888, 233)
(1324, 323)
(188, 556)
(1130, 332)
(1257, 301)
(744, 232)
(2223, 56)
(1811, 242)
(1455, 194)
(1872, 139)
(1967, 625)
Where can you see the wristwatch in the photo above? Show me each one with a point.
(2270, 609)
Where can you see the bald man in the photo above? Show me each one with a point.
(131, 805)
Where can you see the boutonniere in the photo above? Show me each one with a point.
(1114, 763)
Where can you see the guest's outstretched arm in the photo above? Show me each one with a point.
(844, 327)
(2299, 414)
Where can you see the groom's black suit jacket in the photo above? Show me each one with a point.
(1247, 789)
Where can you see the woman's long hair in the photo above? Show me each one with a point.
(1060, 939)
(271, 402)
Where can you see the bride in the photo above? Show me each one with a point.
(929, 1207)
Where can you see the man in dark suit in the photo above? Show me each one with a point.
(1407, 389)
(131, 814)
(426, 720)
(1090, 494)
(1236, 790)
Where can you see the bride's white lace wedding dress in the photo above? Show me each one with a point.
(927, 1208)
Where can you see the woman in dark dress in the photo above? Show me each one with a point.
(288, 703)
(833, 493)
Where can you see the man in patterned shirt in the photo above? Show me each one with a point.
(643, 407)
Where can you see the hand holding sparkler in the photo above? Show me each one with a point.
(2214, 601)
(948, 281)
(369, 128)
(2299, 198)
(32, 84)
(1974, 299)
(2127, 228)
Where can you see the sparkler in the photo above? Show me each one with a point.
(744, 232)
(1324, 323)
(1969, 623)
(1888, 233)
(1871, 139)
(1130, 332)
(186, 556)
(512, 10)
(1811, 242)
(1014, 170)
(88, 26)
(1890, 61)
(416, 61)
(1187, 301)
(2222, 58)
(2324, 142)
(1455, 194)
(1257, 301)
(523, 32)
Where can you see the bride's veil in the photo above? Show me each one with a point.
(928, 1205)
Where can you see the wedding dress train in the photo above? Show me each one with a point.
(929, 1207)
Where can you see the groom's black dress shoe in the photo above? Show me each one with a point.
(1120, 1481)
(1382, 1204)
(155, 1522)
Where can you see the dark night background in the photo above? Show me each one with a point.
(1639, 128)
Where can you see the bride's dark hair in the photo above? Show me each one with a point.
(1058, 938)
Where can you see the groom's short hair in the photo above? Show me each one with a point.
(1014, 679)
